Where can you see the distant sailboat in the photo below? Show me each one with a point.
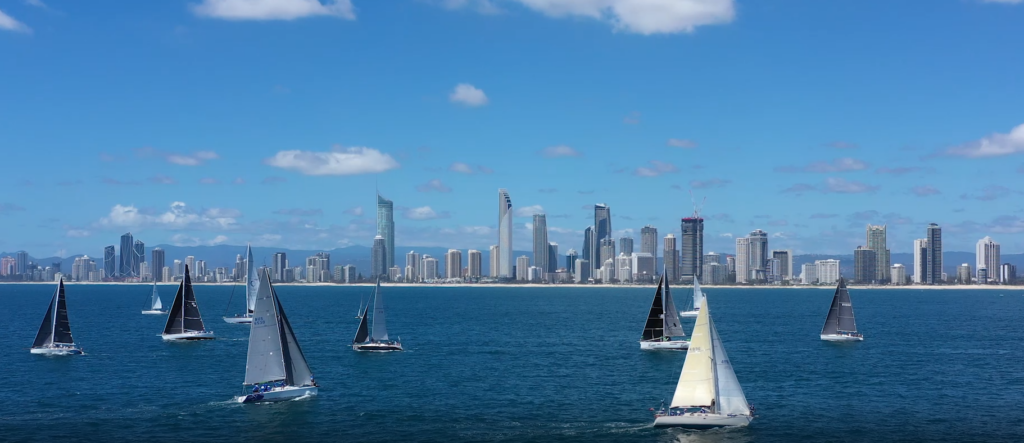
(275, 367)
(359, 313)
(662, 329)
(184, 322)
(252, 282)
(840, 324)
(155, 307)
(54, 336)
(708, 395)
(375, 338)
(698, 298)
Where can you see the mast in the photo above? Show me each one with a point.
(846, 322)
(252, 281)
(380, 328)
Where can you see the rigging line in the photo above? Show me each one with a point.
(230, 297)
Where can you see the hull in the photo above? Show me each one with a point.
(701, 421)
(689, 314)
(279, 394)
(377, 347)
(156, 312)
(842, 337)
(671, 345)
(238, 320)
(196, 335)
(57, 350)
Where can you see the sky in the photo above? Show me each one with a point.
(273, 121)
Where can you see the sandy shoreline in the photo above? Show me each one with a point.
(491, 285)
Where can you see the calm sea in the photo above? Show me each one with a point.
(520, 364)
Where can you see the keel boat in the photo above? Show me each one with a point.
(54, 336)
(155, 306)
(840, 324)
(252, 282)
(662, 330)
(184, 322)
(375, 338)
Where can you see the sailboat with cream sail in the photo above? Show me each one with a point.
(275, 367)
(184, 322)
(698, 298)
(708, 395)
(252, 282)
(663, 330)
(54, 335)
(155, 306)
(375, 338)
(840, 324)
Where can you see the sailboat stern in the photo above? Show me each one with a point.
(664, 345)
(283, 393)
(189, 336)
(238, 320)
(377, 346)
(842, 337)
(57, 350)
(698, 420)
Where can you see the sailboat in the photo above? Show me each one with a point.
(359, 313)
(252, 282)
(155, 307)
(708, 395)
(662, 328)
(275, 367)
(54, 336)
(698, 297)
(840, 324)
(184, 322)
(375, 338)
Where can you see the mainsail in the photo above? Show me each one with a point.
(264, 361)
(730, 395)
(55, 327)
(364, 331)
(295, 365)
(252, 281)
(380, 326)
(696, 386)
(671, 316)
(846, 320)
(654, 328)
(156, 304)
(184, 315)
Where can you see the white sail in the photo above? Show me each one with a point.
(673, 328)
(696, 386)
(380, 326)
(698, 296)
(730, 395)
(252, 280)
(157, 305)
(265, 361)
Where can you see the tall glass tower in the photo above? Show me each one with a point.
(692, 259)
(126, 265)
(505, 262)
(934, 255)
(540, 243)
(386, 228)
(602, 230)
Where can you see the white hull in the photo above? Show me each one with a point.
(697, 420)
(279, 394)
(378, 347)
(156, 312)
(658, 345)
(238, 320)
(841, 337)
(194, 335)
(689, 314)
(57, 350)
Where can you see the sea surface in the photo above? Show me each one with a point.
(519, 364)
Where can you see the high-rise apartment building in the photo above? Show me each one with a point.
(523, 268)
(474, 268)
(110, 261)
(692, 248)
(494, 256)
(190, 266)
(378, 258)
(139, 249)
(644, 267)
(963, 274)
(126, 266)
(540, 242)
(626, 246)
(671, 259)
(987, 257)
(552, 258)
(649, 240)
(582, 274)
(453, 264)
(430, 271)
(934, 255)
(864, 266)
(1008, 274)
(876, 241)
(742, 260)
(608, 250)
(624, 267)
(590, 253)
(809, 274)
(602, 223)
(828, 271)
(412, 266)
(279, 265)
(158, 264)
(920, 260)
(386, 229)
(898, 274)
(21, 262)
(758, 255)
(570, 261)
(505, 262)
(785, 257)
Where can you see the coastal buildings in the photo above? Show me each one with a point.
(589, 249)
(898, 274)
(644, 267)
(649, 241)
(876, 241)
(494, 257)
(934, 255)
(808, 273)
(138, 257)
(110, 261)
(626, 245)
(692, 248)
(920, 260)
(523, 268)
(453, 264)
(413, 266)
(540, 242)
(864, 266)
(475, 259)
(158, 264)
(671, 259)
(552, 258)
(758, 255)
(126, 268)
(570, 261)
(742, 267)
(785, 258)
(505, 262)
(963, 274)
(378, 258)
(1008, 274)
(827, 271)
(987, 258)
(608, 250)
(280, 263)
(386, 228)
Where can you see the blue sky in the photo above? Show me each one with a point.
(272, 121)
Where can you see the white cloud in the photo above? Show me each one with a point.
(36, 3)
(356, 211)
(339, 161)
(838, 165)
(461, 168)
(423, 213)
(194, 159)
(486, 7)
(681, 143)
(467, 94)
(188, 240)
(560, 151)
(433, 185)
(528, 211)
(843, 186)
(655, 169)
(179, 216)
(8, 23)
(273, 9)
(78, 233)
(992, 146)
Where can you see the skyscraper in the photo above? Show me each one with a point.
(540, 242)
(505, 262)
(692, 252)
(758, 254)
(127, 252)
(552, 258)
(453, 264)
(158, 264)
(21, 262)
(570, 261)
(876, 242)
(378, 258)
(785, 257)
(608, 250)
(649, 240)
(139, 249)
(110, 261)
(626, 246)
(475, 264)
(494, 256)
(671, 259)
(864, 266)
(987, 257)
(589, 248)
(412, 266)
(280, 264)
(934, 236)
(523, 268)
(190, 266)
(920, 260)
(742, 259)
(386, 228)
(602, 229)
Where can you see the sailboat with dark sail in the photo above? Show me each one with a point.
(663, 330)
(155, 306)
(275, 368)
(54, 336)
(375, 338)
(708, 395)
(184, 322)
(252, 282)
(840, 324)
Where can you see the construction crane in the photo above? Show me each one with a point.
(697, 209)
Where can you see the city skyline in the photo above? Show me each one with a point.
(883, 153)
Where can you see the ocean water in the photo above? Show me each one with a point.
(520, 364)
